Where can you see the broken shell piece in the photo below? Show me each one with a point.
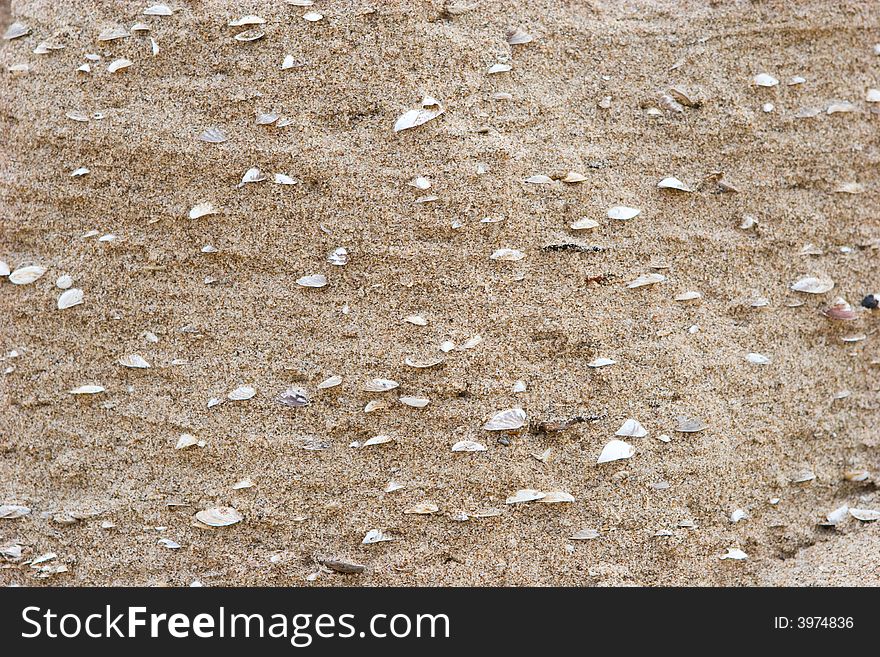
(202, 209)
(841, 108)
(377, 440)
(840, 310)
(765, 80)
(430, 110)
(539, 180)
(70, 298)
(584, 535)
(380, 385)
(690, 425)
(508, 254)
(873, 96)
(63, 282)
(510, 419)
(757, 359)
(343, 567)
(312, 280)
(252, 175)
(518, 37)
(15, 31)
(865, 515)
(26, 275)
(646, 279)
(293, 398)
(556, 497)
(416, 320)
(525, 495)
(615, 451)
(13, 511)
(468, 446)
(498, 68)
(219, 516)
(250, 35)
(415, 402)
(241, 393)
(213, 136)
(584, 224)
(813, 285)
(134, 361)
(338, 257)
(188, 440)
(422, 509)
(601, 362)
(735, 554)
(112, 33)
(623, 213)
(574, 177)
(632, 428)
(87, 390)
(118, 65)
(673, 183)
(312, 16)
(690, 295)
(158, 10)
(332, 382)
(247, 20)
(376, 536)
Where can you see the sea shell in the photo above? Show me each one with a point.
(646, 279)
(468, 446)
(813, 285)
(241, 393)
(510, 419)
(70, 298)
(135, 361)
(87, 390)
(615, 451)
(430, 110)
(525, 495)
(623, 213)
(380, 385)
(26, 275)
(219, 516)
(507, 254)
(632, 428)
(765, 80)
(673, 183)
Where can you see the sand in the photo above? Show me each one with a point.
(80, 461)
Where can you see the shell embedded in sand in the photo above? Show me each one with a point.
(525, 495)
(70, 298)
(380, 385)
(430, 110)
(673, 183)
(312, 280)
(219, 516)
(507, 420)
(813, 285)
(623, 213)
(468, 446)
(26, 275)
(632, 428)
(241, 393)
(615, 451)
(87, 390)
(135, 361)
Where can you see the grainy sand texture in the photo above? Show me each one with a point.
(779, 387)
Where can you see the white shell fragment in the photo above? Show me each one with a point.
(757, 359)
(63, 282)
(518, 37)
(765, 80)
(247, 20)
(134, 361)
(13, 511)
(690, 425)
(468, 446)
(646, 279)
(213, 136)
(331, 382)
(118, 65)
(219, 516)
(511, 255)
(422, 509)
(241, 393)
(376, 536)
(202, 209)
(525, 495)
(158, 10)
(734, 554)
(601, 362)
(615, 451)
(87, 390)
(510, 419)
(15, 31)
(813, 285)
(70, 298)
(312, 280)
(623, 213)
(26, 275)
(865, 515)
(430, 110)
(632, 428)
(584, 224)
(673, 183)
(380, 385)
(415, 402)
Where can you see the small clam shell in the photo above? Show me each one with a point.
(219, 516)
(510, 419)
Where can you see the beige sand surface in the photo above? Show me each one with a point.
(80, 461)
